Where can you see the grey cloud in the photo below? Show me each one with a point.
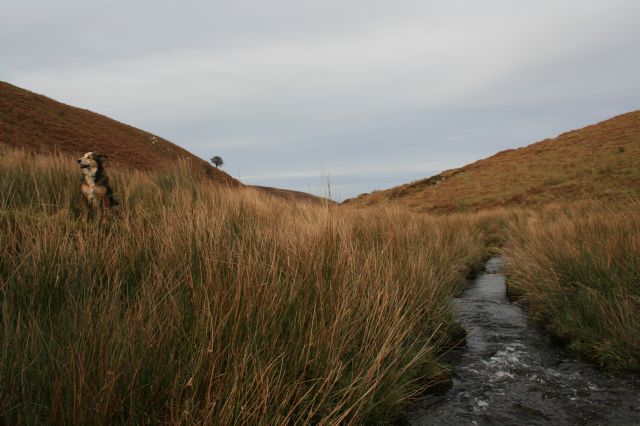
(365, 88)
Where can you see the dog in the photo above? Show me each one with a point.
(94, 186)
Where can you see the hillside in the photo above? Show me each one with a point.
(601, 161)
(35, 122)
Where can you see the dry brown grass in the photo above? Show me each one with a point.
(578, 269)
(207, 305)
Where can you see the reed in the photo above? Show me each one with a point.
(578, 270)
(201, 304)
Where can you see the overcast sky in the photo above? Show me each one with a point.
(373, 93)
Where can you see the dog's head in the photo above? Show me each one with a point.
(91, 162)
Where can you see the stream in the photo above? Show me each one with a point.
(510, 373)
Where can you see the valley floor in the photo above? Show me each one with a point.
(202, 304)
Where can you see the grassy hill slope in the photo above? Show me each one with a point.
(601, 161)
(37, 123)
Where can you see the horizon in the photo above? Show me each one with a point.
(370, 95)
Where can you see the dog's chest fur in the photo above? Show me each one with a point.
(93, 193)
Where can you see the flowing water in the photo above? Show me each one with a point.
(510, 373)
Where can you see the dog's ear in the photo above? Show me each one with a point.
(100, 157)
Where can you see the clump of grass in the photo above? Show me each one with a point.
(578, 270)
(209, 305)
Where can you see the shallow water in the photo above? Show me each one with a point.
(510, 373)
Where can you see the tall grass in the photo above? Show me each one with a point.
(200, 304)
(579, 271)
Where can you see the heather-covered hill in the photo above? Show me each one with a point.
(601, 161)
(37, 123)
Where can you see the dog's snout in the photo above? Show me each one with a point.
(79, 161)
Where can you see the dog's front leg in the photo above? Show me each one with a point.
(104, 209)
(88, 209)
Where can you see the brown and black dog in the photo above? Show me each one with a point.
(95, 187)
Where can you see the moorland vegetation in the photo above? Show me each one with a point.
(199, 303)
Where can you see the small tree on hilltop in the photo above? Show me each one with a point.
(217, 161)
